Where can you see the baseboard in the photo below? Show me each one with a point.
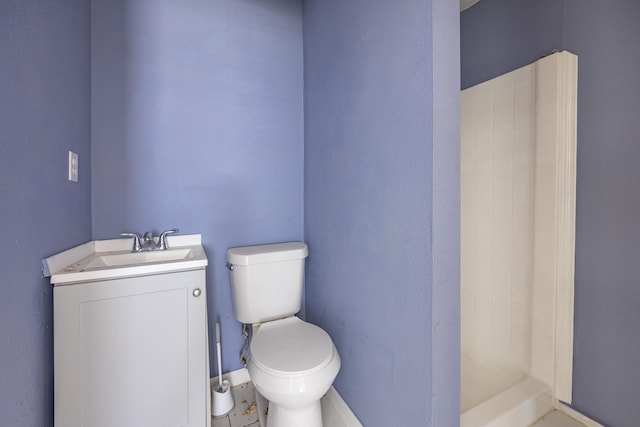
(235, 378)
(570, 412)
(335, 411)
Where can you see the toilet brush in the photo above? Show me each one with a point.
(222, 398)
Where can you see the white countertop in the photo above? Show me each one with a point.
(85, 263)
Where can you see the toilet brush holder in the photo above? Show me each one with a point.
(222, 399)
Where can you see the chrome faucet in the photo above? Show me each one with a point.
(137, 247)
(147, 242)
(162, 239)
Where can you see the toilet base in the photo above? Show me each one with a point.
(308, 416)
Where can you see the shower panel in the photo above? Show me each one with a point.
(517, 220)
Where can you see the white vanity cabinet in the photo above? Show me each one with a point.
(132, 351)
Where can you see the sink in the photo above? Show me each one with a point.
(112, 259)
(135, 258)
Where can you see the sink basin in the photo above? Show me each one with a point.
(112, 259)
(136, 258)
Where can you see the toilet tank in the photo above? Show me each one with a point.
(266, 280)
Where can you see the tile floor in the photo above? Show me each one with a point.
(244, 413)
(557, 419)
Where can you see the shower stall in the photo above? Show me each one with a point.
(518, 155)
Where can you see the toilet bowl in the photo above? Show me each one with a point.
(292, 363)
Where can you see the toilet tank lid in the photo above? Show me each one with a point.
(262, 254)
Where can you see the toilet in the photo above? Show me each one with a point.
(292, 363)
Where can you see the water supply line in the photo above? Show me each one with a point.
(245, 347)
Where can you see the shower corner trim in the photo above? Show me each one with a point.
(565, 224)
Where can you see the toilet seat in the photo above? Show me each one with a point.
(291, 347)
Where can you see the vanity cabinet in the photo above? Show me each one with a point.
(132, 352)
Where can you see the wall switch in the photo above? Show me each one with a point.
(73, 166)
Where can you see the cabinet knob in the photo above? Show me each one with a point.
(196, 292)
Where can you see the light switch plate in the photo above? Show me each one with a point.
(73, 166)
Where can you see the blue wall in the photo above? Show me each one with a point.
(498, 36)
(606, 378)
(374, 203)
(44, 112)
(192, 116)
(198, 124)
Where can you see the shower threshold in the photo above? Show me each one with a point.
(518, 406)
(496, 395)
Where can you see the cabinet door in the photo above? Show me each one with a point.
(131, 352)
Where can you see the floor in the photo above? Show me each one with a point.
(244, 413)
(557, 419)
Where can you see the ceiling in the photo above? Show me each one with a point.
(465, 4)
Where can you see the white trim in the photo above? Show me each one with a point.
(570, 412)
(240, 376)
(565, 223)
(333, 406)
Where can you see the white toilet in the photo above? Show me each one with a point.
(292, 363)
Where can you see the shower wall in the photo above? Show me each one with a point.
(497, 194)
(512, 189)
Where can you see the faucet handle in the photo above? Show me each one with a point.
(137, 246)
(162, 239)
